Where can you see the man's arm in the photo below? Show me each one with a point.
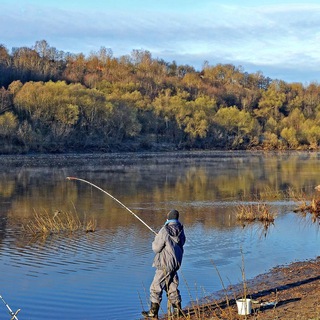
(159, 242)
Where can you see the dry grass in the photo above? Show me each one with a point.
(254, 212)
(309, 205)
(296, 195)
(45, 223)
(312, 207)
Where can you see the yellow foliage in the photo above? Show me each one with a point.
(8, 124)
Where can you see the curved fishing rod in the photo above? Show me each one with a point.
(107, 193)
(12, 314)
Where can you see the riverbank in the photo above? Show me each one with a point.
(286, 292)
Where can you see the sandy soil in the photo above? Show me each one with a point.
(286, 292)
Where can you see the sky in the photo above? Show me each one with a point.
(278, 38)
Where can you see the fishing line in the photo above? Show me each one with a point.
(107, 193)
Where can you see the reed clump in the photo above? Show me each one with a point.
(44, 223)
(255, 212)
(312, 207)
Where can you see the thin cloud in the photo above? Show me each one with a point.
(270, 37)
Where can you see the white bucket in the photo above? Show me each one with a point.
(244, 306)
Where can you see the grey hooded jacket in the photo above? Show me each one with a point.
(168, 247)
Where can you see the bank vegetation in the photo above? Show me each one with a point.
(53, 101)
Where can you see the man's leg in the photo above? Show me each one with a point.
(156, 289)
(174, 295)
(157, 286)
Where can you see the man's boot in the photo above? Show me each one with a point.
(153, 312)
(177, 311)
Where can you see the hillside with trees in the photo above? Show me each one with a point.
(52, 101)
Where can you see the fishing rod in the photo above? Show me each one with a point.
(12, 314)
(107, 193)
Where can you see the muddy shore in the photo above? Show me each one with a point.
(285, 292)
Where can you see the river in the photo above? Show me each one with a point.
(106, 274)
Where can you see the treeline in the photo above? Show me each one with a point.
(52, 101)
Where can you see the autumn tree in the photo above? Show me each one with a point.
(290, 136)
(311, 100)
(75, 68)
(270, 104)
(5, 100)
(237, 129)
(310, 132)
(48, 111)
(167, 106)
(8, 125)
(195, 117)
(6, 72)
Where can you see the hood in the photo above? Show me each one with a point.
(174, 230)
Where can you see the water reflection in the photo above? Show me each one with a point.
(113, 264)
(194, 180)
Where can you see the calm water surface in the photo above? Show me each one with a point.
(106, 274)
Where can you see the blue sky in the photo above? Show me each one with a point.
(279, 38)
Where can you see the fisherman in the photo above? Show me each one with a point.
(168, 248)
